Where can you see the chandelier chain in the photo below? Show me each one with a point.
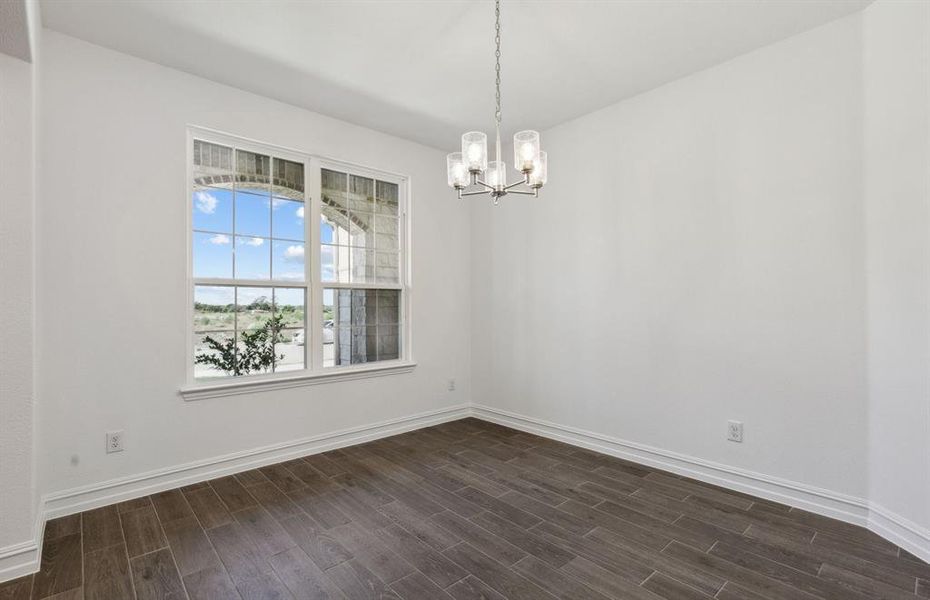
(497, 56)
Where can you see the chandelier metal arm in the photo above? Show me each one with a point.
(498, 192)
(526, 181)
(462, 194)
(476, 181)
(495, 193)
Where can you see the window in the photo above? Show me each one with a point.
(360, 252)
(272, 294)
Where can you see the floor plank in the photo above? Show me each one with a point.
(142, 531)
(556, 582)
(424, 530)
(155, 576)
(101, 528)
(171, 506)
(232, 493)
(106, 574)
(282, 478)
(303, 577)
(62, 526)
(506, 581)
(189, 544)
(472, 588)
(371, 552)
(266, 586)
(606, 581)
(629, 552)
(672, 589)
(276, 502)
(265, 533)
(17, 589)
(436, 567)
(319, 508)
(61, 568)
(319, 545)
(496, 547)
(417, 586)
(134, 504)
(549, 552)
(358, 583)
(210, 584)
(240, 557)
(208, 508)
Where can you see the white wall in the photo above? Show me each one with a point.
(747, 243)
(112, 264)
(17, 501)
(697, 257)
(897, 200)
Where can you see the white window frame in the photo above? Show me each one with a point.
(314, 371)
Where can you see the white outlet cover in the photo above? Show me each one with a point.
(114, 441)
(735, 431)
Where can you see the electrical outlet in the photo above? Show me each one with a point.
(735, 431)
(451, 385)
(114, 441)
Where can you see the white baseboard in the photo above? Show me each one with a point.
(850, 509)
(18, 560)
(900, 531)
(24, 558)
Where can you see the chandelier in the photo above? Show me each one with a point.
(465, 168)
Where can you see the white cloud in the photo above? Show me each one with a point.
(219, 239)
(294, 253)
(300, 212)
(255, 241)
(206, 203)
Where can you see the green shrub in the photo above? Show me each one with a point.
(256, 355)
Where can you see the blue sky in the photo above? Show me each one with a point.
(267, 236)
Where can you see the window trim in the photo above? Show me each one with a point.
(278, 381)
(314, 372)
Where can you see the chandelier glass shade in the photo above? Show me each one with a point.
(470, 173)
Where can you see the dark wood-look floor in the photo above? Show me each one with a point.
(464, 510)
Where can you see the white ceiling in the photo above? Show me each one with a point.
(423, 69)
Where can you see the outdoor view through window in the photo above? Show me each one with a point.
(252, 285)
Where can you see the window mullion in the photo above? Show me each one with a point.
(405, 326)
(364, 286)
(314, 188)
(190, 352)
(284, 283)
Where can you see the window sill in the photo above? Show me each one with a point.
(203, 391)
